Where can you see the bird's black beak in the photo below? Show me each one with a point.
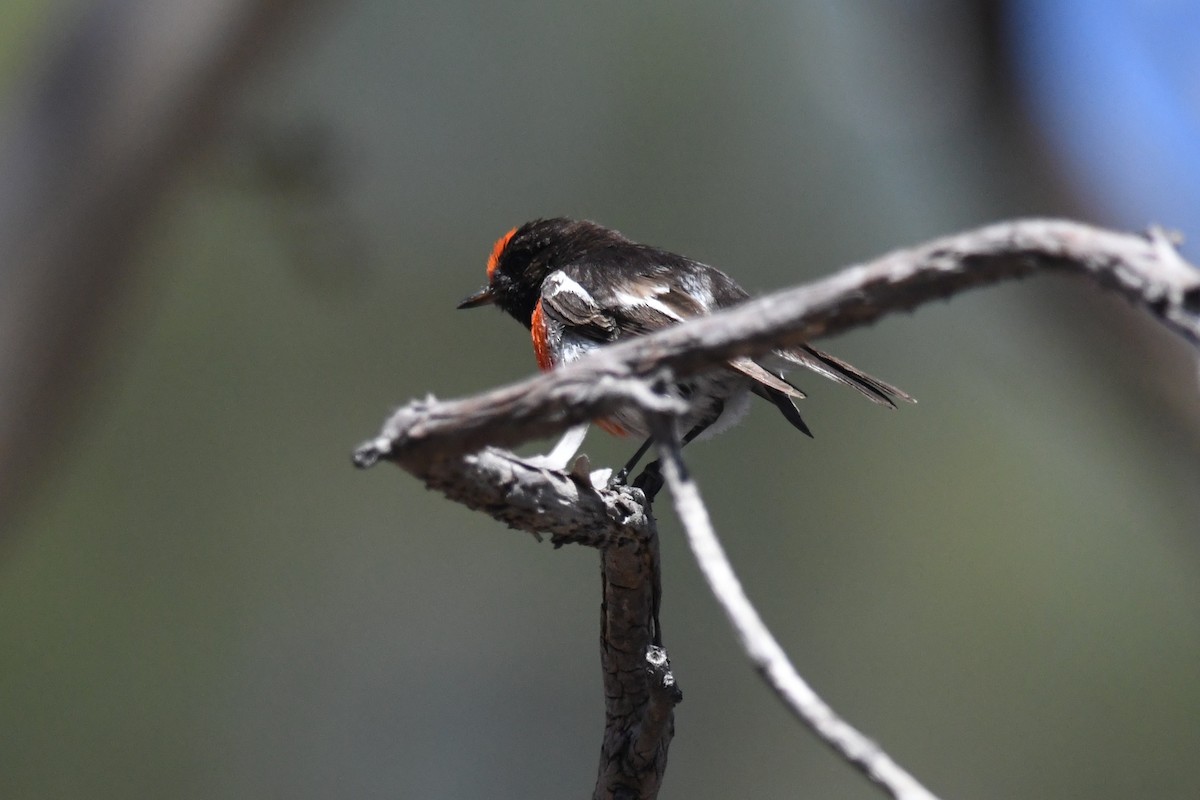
(480, 298)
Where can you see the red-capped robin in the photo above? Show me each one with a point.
(577, 286)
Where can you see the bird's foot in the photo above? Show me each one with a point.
(650, 481)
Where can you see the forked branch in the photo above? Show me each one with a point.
(443, 443)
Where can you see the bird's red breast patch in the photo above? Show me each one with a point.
(541, 349)
(541, 341)
(611, 427)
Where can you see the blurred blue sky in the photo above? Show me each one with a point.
(1115, 89)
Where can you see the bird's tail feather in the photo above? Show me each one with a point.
(837, 370)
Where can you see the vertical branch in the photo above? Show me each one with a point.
(639, 690)
(434, 439)
(760, 645)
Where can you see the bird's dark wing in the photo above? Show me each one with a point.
(605, 310)
(568, 302)
(640, 289)
(633, 290)
(629, 303)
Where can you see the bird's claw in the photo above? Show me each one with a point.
(618, 478)
(650, 481)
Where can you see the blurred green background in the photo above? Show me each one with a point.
(204, 600)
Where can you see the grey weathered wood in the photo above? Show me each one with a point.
(1145, 269)
(639, 689)
(435, 440)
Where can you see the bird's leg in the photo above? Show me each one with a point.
(619, 478)
(651, 479)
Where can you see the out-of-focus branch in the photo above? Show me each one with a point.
(123, 95)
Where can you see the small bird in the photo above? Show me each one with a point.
(577, 285)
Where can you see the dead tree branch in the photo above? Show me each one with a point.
(639, 690)
(434, 440)
(1146, 270)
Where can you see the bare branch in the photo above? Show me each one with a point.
(1146, 270)
(541, 501)
(639, 690)
(640, 694)
(760, 645)
(432, 440)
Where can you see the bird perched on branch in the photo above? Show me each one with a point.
(577, 286)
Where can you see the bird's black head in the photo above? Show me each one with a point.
(522, 258)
